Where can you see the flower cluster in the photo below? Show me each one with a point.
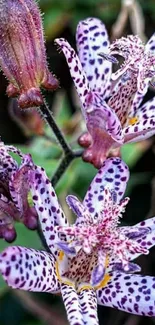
(14, 190)
(90, 261)
(111, 102)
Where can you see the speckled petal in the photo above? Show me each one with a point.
(147, 110)
(113, 175)
(47, 205)
(146, 240)
(141, 130)
(29, 269)
(131, 293)
(7, 163)
(144, 128)
(76, 70)
(150, 45)
(72, 305)
(92, 39)
(88, 302)
(122, 97)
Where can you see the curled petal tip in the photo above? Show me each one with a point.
(31, 98)
(108, 57)
(66, 248)
(95, 158)
(12, 91)
(128, 268)
(50, 82)
(9, 235)
(85, 140)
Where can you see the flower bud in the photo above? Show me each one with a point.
(22, 52)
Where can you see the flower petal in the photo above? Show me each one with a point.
(18, 184)
(113, 175)
(7, 163)
(47, 206)
(145, 127)
(147, 110)
(92, 39)
(122, 97)
(72, 305)
(88, 302)
(102, 117)
(104, 127)
(147, 238)
(79, 209)
(76, 70)
(150, 45)
(142, 130)
(29, 269)
(131, 293)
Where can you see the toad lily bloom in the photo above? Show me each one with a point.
(89, 262)
(111, 108)
(14, 189)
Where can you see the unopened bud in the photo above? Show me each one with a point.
(22, 52)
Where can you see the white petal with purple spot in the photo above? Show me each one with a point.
(29, 269)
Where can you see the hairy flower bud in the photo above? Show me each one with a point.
(22, 52)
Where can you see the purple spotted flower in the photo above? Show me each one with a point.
(111, 102)
(90, 262)
(22, 52)
(14, 190)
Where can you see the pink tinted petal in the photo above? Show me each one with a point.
(18, 184)
(72, 305)
(47, 205)
(105, 130)
(146, 240)
(8, 164)
(113, 175)
(139, 131)
(88, 302)
(29, 269)
(92, 39)
(131, 293)
(101, 116)
(76, 70)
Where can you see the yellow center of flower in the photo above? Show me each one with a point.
(104, 282)
(84, 285)
(133, 120)
(60, 258)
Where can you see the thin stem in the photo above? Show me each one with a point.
(65, 162)
(51, 122)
